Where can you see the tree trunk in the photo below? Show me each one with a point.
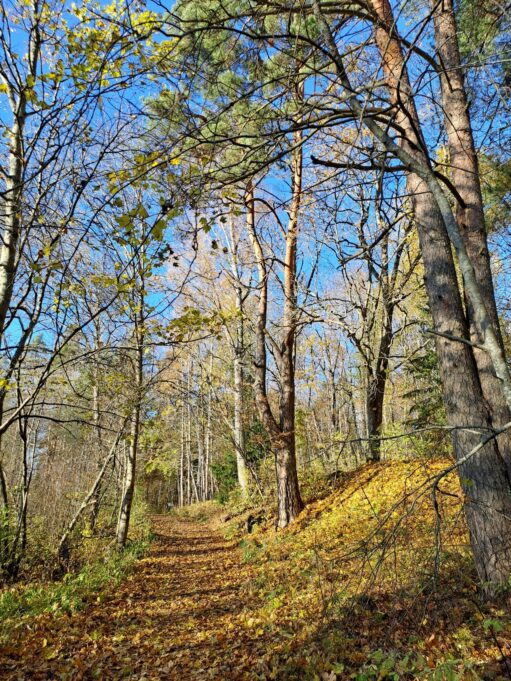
(334, 409)
(180, 491)
(99, 443)
(11, 211)
(288, 490)
(131, 458)
(129, 480)
(209, 435)
(290, 502)
(464, 169)
(374, 407)
(377, 383)
(282, 435)
(239, 435)
(238, 368)
(484, 476)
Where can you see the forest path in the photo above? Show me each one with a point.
(179, 615)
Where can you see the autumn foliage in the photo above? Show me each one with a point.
(349, 591)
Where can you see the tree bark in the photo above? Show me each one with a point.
(95, 503)
(282, 434)
(484, 476)
(464, 169)
(238, 370)
(290, 502)
(131, 458)
(239, 435)
(376, 389)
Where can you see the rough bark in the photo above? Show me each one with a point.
(378, 372)
(376, 389)
(484, 477)
(464, 174)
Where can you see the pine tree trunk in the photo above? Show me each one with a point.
(484, 476)
(288, 490)
(464, 169)
(289, 499)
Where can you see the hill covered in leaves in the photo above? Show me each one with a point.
(361, 587)
(372, 583)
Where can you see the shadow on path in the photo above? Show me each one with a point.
(177, 616)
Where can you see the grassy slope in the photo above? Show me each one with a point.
(352, 586)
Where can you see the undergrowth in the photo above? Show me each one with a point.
(96, 566)
(70, 594)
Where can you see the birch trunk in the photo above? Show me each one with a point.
(238, 368)
(131, 457)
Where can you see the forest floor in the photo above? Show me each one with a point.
(174, 617)
(346, 592)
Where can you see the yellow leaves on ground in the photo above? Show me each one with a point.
(346, 592)
(179, 616)
(357, 572)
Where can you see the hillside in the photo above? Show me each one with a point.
(347, 591)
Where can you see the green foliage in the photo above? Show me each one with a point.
(100, 566)
(226, 476)
(225, 470)
(496, 187)
(257, 443)
(140, 525)
(388, 666)
(252, 551)
(494, 625)
(427, 405)
(480, 24)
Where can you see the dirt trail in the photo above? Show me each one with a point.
(177, 616)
